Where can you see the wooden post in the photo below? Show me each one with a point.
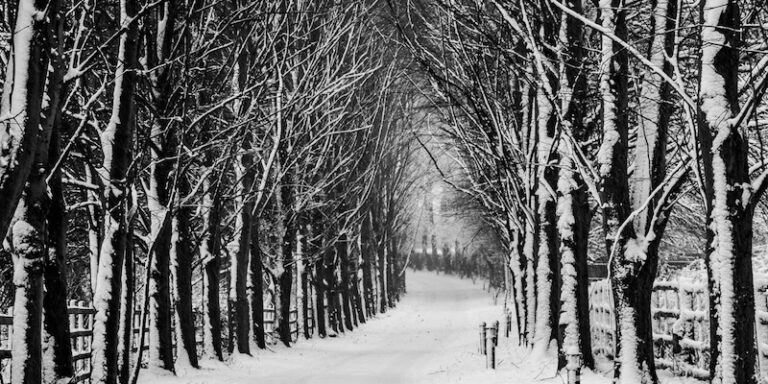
(482, 338)
(573, 365)
(490, 360)
(508, 327)
(495, 333)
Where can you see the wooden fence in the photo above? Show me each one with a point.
(293, 320)
(680, 318)
(81, 332)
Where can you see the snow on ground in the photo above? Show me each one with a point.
(431, 337)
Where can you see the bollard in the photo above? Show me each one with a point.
(493, 331)
(508, 327)
(490, 362)
(482, 338)
(573, 365)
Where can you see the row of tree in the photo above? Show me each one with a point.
(575, 121)
(172, 154)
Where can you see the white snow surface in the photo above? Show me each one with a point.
(431, 337)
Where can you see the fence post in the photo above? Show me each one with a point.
(482, 338)
(495, 333)
(573, 365)
(508, 327)
(490, 361)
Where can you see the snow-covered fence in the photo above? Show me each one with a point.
(679, 312)
(761, 322)
(601, 321)
(6, 328)
(270, 326)
(81, 330)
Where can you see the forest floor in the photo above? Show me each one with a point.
(431, 337)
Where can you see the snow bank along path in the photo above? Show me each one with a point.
(431, 337)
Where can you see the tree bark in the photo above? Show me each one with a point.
(25, 159)
(381, 251)
(209, 254)
(517, 266)
(548, 266)
(306, 298)
(257, 286)
(573, 209)
(239, 327)
(288, 240)
(163, 135)
(125, 337)
(365, 249)
(729, 218)
(634, 347)
(320, 297)
(116, 142)
(356, 296)
(341, 251)
(331, 293)
(181, 261)
(22, 98)
(57, 345)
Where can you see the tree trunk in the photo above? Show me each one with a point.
(289, 238)
(517, 267)
(548, 267)
(209, 254)
(57, 345)
(381, 251)
(29, 251)
(391, 278)
(257, 286)
(573, 209)
(573, 224)
(22, 96)
(95, 226)
(158, 201)
(116, 142)
(320, 297)
(331, 292)
(239, 327)
(356, 296)
(634, 347)
(529, 249)
(366, 251)
(181, 260)
(25, 162)
(306, 298)
(341, 251)
(163, 136)
(125, 337)
(729, 221)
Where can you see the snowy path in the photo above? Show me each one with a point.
(438, 315)
(432, 331)
(430, 338)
